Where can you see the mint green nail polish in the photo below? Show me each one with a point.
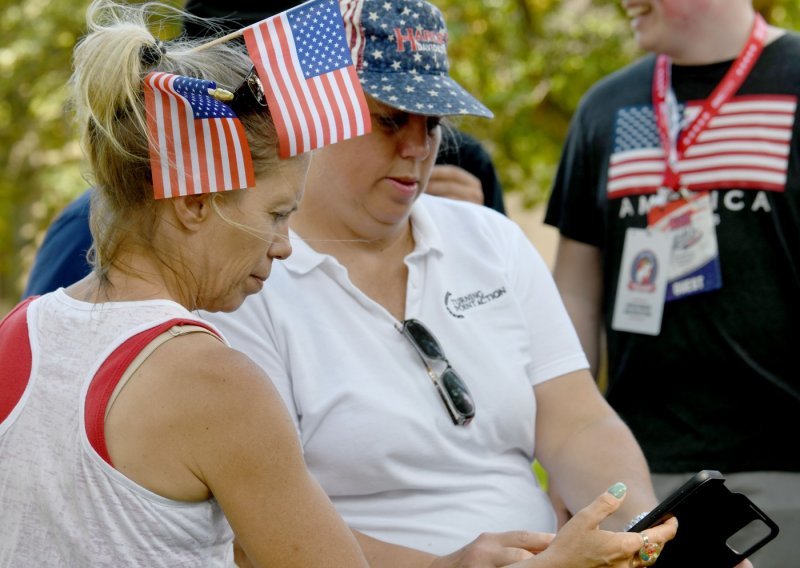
(618, 490)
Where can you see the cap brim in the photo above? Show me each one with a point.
(424, 94)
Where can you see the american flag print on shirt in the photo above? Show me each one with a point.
(746, 146)
(310, 83)
(197, 144)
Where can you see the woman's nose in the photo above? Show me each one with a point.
(415, 139)
(281, 248)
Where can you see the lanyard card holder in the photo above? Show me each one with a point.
(694, 266)
(717, 528)
(642, 281)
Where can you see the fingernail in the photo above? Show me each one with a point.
(618, 490)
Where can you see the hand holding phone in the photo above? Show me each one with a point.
(716, 527)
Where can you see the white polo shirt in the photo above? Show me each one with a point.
(374, 431)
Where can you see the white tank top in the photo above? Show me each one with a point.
(61, 503)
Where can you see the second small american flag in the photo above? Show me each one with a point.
(311, 85)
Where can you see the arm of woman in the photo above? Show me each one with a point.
(199, 419)
(488, 550)
(248, 455)
(585, 447)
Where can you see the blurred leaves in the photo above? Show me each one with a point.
(530, 61)
(37, 149)
(39, 153)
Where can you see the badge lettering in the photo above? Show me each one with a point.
(694, 284)
(732, 200)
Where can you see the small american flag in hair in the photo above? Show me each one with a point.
(311, 85)
(197, 144)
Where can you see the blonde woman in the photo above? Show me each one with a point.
(164, 471)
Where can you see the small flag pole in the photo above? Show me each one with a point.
(219, 40)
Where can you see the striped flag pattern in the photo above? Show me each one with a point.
(311, 85)
(746, 146)
(197, 144)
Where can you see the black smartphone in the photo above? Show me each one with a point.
(717, 528)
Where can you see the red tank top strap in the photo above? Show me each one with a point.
(111, 371)
(16, 359)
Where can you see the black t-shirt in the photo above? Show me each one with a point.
(719, 387)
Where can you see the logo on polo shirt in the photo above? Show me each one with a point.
(457, 305)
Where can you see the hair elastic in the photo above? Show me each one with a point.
(151, 54)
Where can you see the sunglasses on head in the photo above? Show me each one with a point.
(451, 388)
(249, 96)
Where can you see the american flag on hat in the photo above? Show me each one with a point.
(197, 144)
(312, 89)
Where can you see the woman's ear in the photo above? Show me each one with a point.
(193, 210)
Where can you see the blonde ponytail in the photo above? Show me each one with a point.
(108, 73)
(109, 65)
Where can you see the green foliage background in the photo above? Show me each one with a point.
(528, 60)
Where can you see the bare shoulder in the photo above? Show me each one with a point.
(200, 366)
(199, 419)
(226, 404)
(194, 404)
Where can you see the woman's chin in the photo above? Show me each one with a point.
(233, 301)
(254, 285)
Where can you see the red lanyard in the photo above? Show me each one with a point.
(674, 150)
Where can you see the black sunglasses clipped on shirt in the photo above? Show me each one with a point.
(451, 388)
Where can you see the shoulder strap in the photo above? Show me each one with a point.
(16, 358)
(148, 349)
(117, 369)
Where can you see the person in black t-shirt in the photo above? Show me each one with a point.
(717, 387)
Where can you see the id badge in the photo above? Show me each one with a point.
(694, 266)
(642, 281)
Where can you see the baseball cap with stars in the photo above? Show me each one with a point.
(399, 48)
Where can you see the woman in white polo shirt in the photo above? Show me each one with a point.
(345, 330)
